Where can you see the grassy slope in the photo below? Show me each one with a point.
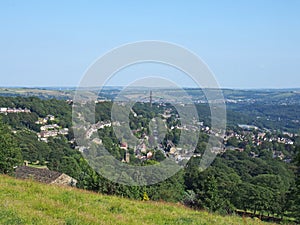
(28, 202)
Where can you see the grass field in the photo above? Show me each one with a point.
(28, 202)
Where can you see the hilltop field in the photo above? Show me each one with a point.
(28, 202)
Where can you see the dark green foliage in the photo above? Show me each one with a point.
(10, 154)
(294, 197)
(159, 156)
(236, 180)
(103, 111)
(32, 149)
(171, 190)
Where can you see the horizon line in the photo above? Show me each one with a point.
(122, 86)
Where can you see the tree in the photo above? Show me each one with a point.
(232, 142)
(171, 190)
(209, 194)
(10, 154)
(295, 192)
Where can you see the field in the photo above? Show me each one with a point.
(28, 202)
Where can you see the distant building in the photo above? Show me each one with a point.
(45, 176)
(13, 110)
(143, 148)
(50, 117)
(3, 110)
(97, 141)
(63, 131)
(247, 127)
(124, 145)
(46, 134)
(149, 155)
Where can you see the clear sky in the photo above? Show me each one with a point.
(247, 44)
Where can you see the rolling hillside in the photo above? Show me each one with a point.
(28, 202)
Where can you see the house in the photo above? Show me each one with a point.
(45, 176)
(49, 127)
(50, 117)
(143, 148)
(3, 110)
(172, 150)
(50, 133)
(149, 155)
(63, 131)
(97, 141)
(41, 121)
(124, 145)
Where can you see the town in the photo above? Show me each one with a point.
(242, 137)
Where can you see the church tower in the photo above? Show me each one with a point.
(127, 157)
(150, 98)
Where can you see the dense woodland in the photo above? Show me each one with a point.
(235, 181)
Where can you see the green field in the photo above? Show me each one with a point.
(28, 202)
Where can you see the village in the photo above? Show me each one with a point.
(246, 134)
(234, 140)
(49, 128)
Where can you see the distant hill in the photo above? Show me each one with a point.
(248, 96)
(28, 202)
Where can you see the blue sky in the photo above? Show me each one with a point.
(247, 44)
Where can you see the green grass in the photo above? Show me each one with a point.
(37, 166)
(28, 202)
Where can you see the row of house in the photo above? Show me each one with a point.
(258, 138)
(95, 127)
(45, 134)
(6, 110)
(49, 127)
